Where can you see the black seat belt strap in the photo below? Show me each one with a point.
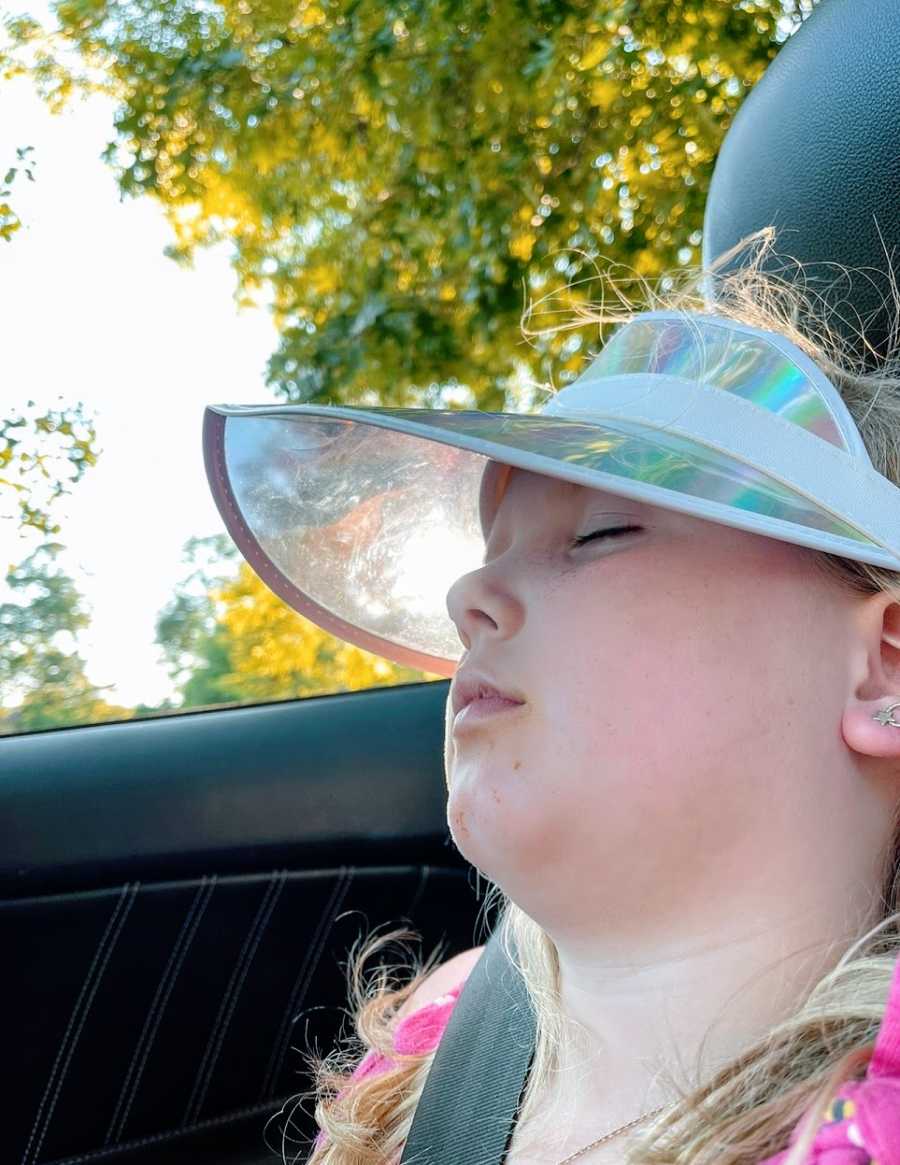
(470, 1100)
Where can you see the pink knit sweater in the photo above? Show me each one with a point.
(860, 1127)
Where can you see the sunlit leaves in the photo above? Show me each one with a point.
(43, 453)
(400, 181)
(277, 653)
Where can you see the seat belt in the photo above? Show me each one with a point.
(471, 1096)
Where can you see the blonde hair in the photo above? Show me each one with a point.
(751, 1106)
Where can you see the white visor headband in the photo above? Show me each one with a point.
(362, 518)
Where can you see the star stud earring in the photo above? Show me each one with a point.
(885, 715)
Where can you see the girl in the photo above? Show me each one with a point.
(683, 776)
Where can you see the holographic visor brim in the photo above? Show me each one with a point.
(362, 518)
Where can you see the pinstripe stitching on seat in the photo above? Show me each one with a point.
(98, 964)
(232, 992)
(323, 926)
(307, 967)
(173, 1134)
(277, 888)
(157, 1008)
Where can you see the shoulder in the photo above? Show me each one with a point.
(442, 979)
(422, 1018)
(862, 1114)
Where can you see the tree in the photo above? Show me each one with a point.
(195, 645)
(42, 680)
(227, 637)
(400, 176)
(42, 450)
(276, 653)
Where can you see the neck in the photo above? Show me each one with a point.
(683, 1010)
(645, 1026)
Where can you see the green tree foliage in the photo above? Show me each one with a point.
(42, 680)
(43, 452)
(226, 637)
(276, 653)
(400, 177)
(195, 645)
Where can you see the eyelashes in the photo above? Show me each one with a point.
(612, 531)
(595, 535)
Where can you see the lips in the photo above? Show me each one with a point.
(472, 685)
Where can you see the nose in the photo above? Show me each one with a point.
(480, 604)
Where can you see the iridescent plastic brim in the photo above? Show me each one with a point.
(362, 518)
(761, 367)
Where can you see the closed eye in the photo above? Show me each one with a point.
(611, 532)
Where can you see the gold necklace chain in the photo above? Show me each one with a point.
(609, 1136)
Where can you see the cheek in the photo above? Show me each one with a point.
(651, 712)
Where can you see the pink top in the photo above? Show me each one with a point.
(860, 1127)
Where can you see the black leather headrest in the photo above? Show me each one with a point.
(815, 152)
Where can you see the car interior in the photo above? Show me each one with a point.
(179, 898)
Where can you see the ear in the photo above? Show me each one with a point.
(878, 680)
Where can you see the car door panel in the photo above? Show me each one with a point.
(180, 900)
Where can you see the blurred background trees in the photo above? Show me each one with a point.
(43, 453)
(400, 182)
(227, 637)
(42, 680)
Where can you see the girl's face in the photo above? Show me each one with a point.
(680, 749)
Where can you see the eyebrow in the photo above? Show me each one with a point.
(592, 497)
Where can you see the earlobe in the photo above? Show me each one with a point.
(872, 727)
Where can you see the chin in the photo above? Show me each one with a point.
(480, 824)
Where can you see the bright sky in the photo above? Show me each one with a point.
(91, 309)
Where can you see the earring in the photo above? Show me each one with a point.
(885, 716)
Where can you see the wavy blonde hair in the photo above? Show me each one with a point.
(751, 1106)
